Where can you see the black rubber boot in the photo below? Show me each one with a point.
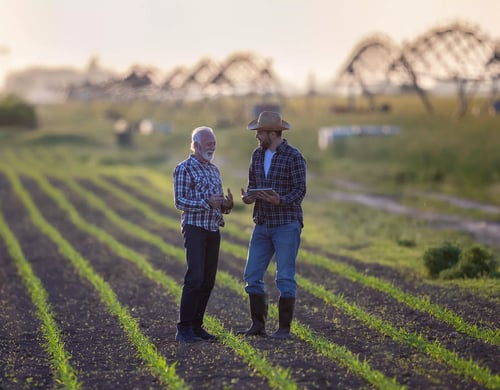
(258, 311)
(286, 307)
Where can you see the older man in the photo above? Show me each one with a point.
(198, 193)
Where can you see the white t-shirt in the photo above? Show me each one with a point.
(268, 156)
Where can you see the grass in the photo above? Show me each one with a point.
(467, 368)
(435, 153)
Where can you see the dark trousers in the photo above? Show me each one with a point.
(202, 255)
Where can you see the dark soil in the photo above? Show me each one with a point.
(105, 358)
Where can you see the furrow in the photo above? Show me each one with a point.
(146, 349)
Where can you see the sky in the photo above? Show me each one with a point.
(305, 39)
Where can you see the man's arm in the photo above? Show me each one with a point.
(298, 180)
(182, 199)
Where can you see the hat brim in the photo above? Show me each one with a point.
(254, 125)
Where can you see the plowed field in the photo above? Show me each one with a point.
(91, 269)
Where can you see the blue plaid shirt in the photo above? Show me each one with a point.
(194, 183)
(286, 176)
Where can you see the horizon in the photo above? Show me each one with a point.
(302, 39)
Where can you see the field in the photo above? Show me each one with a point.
(92, 260)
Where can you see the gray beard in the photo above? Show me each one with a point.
(207, 157)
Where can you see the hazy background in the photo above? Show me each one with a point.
(304, 38)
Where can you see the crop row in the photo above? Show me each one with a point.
(276, 376)
(145, 348)
(465, 367)
(422, 304)
(54, 344)
(432, 348)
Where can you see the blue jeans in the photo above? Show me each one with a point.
(283, 242)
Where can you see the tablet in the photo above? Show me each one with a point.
(255, 190)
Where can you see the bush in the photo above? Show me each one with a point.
(476, 262)
(16, 112)
(449, 262)
(441, 258)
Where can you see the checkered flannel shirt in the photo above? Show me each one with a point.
(286, 176)
(194, 183)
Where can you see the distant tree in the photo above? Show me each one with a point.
(17, 113)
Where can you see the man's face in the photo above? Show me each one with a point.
(205, 149)
(264, 138)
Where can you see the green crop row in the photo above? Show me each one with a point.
(277, 376)
(147, 351)
(447, 316)
(65, 374)
(323, 346)
(162, 189)
(469, 370)
(465, 367)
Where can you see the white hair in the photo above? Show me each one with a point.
(196, 135)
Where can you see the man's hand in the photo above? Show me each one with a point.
(227, 203)
(215, 201)
(269, 196)
(246, 197)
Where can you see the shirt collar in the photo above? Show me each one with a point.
(198, 161)
(282, 146)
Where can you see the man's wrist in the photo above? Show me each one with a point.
(226, 209)
(227, 206)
